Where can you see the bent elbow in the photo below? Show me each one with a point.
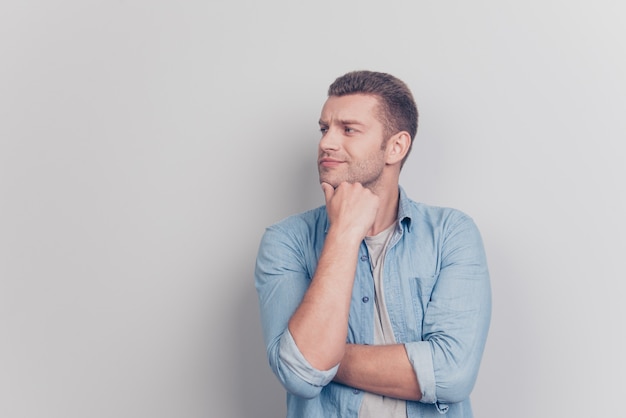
(295, 374)
(455, 389)
(304, 391)
(296, 385)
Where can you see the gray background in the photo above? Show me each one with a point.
(145, 146)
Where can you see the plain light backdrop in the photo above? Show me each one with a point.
(145, 146)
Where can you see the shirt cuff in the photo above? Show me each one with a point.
(293, 359)
(421, 358)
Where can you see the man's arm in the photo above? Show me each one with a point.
(441, 366)
(380, 369)
(320, 324)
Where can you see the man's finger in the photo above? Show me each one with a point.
(329, 191)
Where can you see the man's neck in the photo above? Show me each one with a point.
(388, 210)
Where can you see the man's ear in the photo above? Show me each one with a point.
(397, 147)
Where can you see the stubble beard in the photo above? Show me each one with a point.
(367, 172)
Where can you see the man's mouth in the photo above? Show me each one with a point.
(329, 162)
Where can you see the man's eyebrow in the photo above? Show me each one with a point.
(343, 122)
(350, 122)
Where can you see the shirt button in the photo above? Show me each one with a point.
(355, 391)
(363, 258)
(365, 299)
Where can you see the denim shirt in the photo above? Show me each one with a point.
(438, 298)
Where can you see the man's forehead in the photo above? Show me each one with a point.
(355, 107)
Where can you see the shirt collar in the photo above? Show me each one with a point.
(404, 209)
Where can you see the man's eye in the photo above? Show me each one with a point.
(349, 130)
(323, 129)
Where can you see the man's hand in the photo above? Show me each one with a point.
(351, 209)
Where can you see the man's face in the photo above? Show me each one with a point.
(351, 145)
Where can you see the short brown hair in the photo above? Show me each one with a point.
(398, 111)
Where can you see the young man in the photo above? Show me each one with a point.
(373, 305)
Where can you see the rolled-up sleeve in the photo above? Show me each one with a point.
(282, 277)
(456, 319)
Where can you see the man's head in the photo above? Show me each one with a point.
(367, 125)
(397, 109)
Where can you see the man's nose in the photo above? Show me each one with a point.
(330, 140)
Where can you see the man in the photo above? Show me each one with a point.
(373, 305)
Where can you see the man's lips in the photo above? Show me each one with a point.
(329, 162)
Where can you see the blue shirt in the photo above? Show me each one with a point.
(438, 299)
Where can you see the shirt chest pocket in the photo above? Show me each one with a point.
(410, 297)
